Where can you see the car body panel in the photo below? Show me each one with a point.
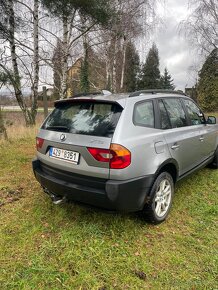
(209, 135)
(188, 153)
(87, 164)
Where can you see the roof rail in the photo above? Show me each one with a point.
(156, 91)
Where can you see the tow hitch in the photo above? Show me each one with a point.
(55, 198)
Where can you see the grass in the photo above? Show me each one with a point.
(43, 246)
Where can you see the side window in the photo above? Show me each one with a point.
(194, 112)
(144, 114)
(176, 113)
(164, 118)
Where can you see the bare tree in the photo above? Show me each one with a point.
(15, 53)
(134, 19)
(201, 27)
(35, 60)
(3, 133)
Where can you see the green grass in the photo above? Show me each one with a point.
(43, 246)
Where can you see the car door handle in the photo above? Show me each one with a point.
(175, 146)
(201, 139)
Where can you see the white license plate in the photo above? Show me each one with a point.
(66, 155)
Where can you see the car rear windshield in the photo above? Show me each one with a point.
(86, 118)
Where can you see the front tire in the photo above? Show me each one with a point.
(161, 195)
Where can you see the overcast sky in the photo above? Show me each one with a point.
(174, 51)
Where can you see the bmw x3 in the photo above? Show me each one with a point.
(124, 152)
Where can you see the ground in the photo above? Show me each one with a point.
(43, 246)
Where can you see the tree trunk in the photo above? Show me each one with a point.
(3, 132)
(16, 75)
(108, 74)
(123, 64)
(84, 73)
(63, 93)
(114, 68)
(35, 61)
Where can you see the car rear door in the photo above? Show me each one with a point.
(72, 128)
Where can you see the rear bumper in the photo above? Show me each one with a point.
(129, 195)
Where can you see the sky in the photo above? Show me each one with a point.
(174, 50)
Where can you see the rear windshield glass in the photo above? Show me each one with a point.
(86, 118)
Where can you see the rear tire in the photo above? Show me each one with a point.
(157, 208)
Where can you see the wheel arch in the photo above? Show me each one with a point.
(171, 166)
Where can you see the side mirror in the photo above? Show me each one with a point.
(211, 120)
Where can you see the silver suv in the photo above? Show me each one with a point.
(123, 152)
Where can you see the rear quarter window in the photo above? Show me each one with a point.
(85, 118)
(143, 114)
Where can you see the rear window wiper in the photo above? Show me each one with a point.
(57, 128)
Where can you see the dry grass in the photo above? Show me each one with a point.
(16, 128)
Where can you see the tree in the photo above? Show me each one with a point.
(166, 81)
(134, 18)
(71, 14)
(12, 62)
(57, 61)
(207, 87)
(150, 74)
(202, 24)
(131, 68)
(84, 73)
(99, 10)
(3, 81)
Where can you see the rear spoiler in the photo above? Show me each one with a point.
(77, 100)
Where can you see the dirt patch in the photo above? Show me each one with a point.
(8, 195)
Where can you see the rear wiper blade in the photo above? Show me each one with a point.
(58, 128)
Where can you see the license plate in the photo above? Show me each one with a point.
(66, 155)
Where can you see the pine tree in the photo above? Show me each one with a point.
(131, 68)
(166, 81)
(208, 83)
(84, 73)
(98, 10)
(150, 75)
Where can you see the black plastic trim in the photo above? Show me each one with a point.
(168, 162)
(128, 195)
(198, 167)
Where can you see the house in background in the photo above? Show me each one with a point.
(74, 78)
(96, 72)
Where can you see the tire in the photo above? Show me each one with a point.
(157, 208)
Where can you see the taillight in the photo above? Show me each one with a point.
(117, 156)
(39, 143)
(121, 157)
